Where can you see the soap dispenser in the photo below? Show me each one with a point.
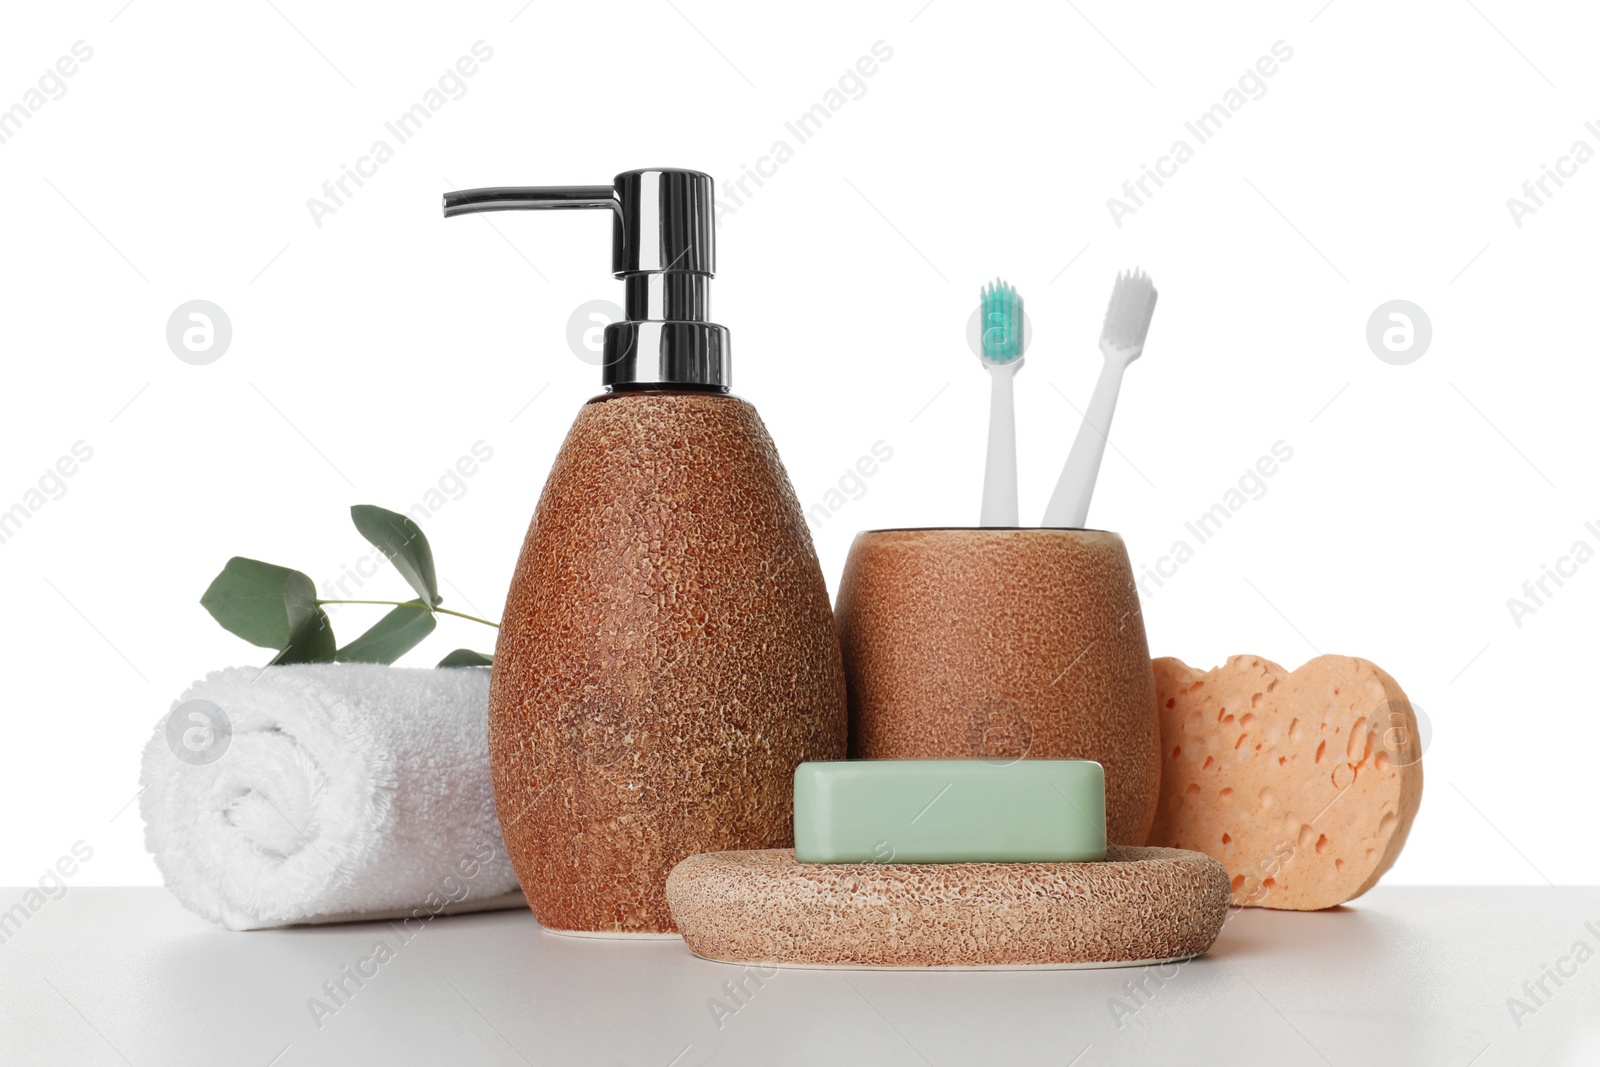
(667, 655)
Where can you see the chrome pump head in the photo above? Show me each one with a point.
(663, 247)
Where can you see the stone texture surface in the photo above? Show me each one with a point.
(1303, 785)
(666, 659)
(962, 643)
(763, 907)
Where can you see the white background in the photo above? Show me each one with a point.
(371, 352)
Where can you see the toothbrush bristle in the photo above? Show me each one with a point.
(1001, 322)
(1133, 302)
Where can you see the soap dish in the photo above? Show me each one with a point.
(1137, 906)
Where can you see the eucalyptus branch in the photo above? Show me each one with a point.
(278, 608)
(418, 606)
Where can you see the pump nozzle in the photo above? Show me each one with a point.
(663, 247)
(528, 198)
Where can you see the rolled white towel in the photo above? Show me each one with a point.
(327, 792)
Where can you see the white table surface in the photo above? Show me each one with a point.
(1402, 976)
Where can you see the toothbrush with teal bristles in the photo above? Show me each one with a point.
(1000, 325)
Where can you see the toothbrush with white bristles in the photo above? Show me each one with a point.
(1000, 327)
(1133, 302)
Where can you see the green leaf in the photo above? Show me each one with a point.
(260, 602)
(310, 631)
(310, 639)
(392, 636)
(465, 657)
(402, 542)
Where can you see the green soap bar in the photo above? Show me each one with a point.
(949, 811)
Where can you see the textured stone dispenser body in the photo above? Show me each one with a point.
(999, 643)
(666, 659)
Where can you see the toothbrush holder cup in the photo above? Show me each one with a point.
(1003, 644)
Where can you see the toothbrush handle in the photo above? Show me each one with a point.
(1000, 471)
(1069, 504)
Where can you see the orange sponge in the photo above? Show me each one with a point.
(1302, 785)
